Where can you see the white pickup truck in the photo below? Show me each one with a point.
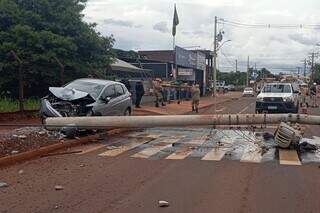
(278, 98)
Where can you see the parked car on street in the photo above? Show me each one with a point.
(278, 98)
(87, 97)
(231, 87)
(248, 91)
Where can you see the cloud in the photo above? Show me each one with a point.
(136, 25)
(161, 27)
(121, 23)
(303, 39)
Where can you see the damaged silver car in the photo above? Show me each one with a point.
(87, 97)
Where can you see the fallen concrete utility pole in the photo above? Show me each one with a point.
(105, 122)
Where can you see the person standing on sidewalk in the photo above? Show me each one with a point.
(157, 92)
(139, 93)
(195, 98)
(313, 95)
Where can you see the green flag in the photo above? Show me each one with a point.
(175, 21)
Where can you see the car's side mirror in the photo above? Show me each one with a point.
(296, 91)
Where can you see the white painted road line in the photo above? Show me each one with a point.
(90, 148)
(244, 109)
(215, 154)
(186, 149)
(289, 157)
(251, 155)
(220, 110)
(147, 152)
(114, 151)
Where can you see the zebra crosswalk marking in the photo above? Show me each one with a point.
(251, 156)
(114, 151)
(215, 154)
(184, 151)
(289, 157)
(90, 148)
(149, 151)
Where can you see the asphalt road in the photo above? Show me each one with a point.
(122, 183)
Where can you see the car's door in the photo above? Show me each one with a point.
(120, 100)
(107, 101)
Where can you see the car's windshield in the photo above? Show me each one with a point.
(93, 89)
(248, 89)
(277, 88)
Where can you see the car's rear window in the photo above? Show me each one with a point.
(277, 88)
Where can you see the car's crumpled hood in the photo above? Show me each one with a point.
(274, 95)
(67, 94)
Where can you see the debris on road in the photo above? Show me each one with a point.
(58, 187)
(163, 203)
(22, 137)
(287, 135)
(20, 172)
(306, 147)
(27, 138)
(3, 185)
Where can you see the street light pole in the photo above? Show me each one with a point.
(215, 57)
(247, 80)
(236, 65)
(305, 67)
(312, 68)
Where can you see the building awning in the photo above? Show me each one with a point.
(122, 66)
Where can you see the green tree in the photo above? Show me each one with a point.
(126, 54)
(40, 31)
(235, 78)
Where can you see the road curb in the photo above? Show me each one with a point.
(17, 158)
(32, 154)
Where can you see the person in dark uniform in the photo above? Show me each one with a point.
(126, 83)
(139, 93)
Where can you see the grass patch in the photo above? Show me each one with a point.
(11, 105)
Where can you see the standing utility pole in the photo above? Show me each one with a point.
(21, 90)
(215, 57)
(248, 67)
(305, 67)
(236, 65)
(312, 68)
(298, 71)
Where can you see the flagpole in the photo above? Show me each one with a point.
(174, 58)
(175, 23)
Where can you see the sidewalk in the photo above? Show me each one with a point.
(185, 106)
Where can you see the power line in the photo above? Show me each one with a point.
(227, 59)
(264, 26)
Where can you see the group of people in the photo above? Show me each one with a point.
(159, 93)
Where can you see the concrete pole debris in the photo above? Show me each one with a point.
(107, 122)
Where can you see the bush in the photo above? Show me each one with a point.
(11, 105)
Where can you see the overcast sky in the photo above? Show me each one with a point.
(147, 24)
